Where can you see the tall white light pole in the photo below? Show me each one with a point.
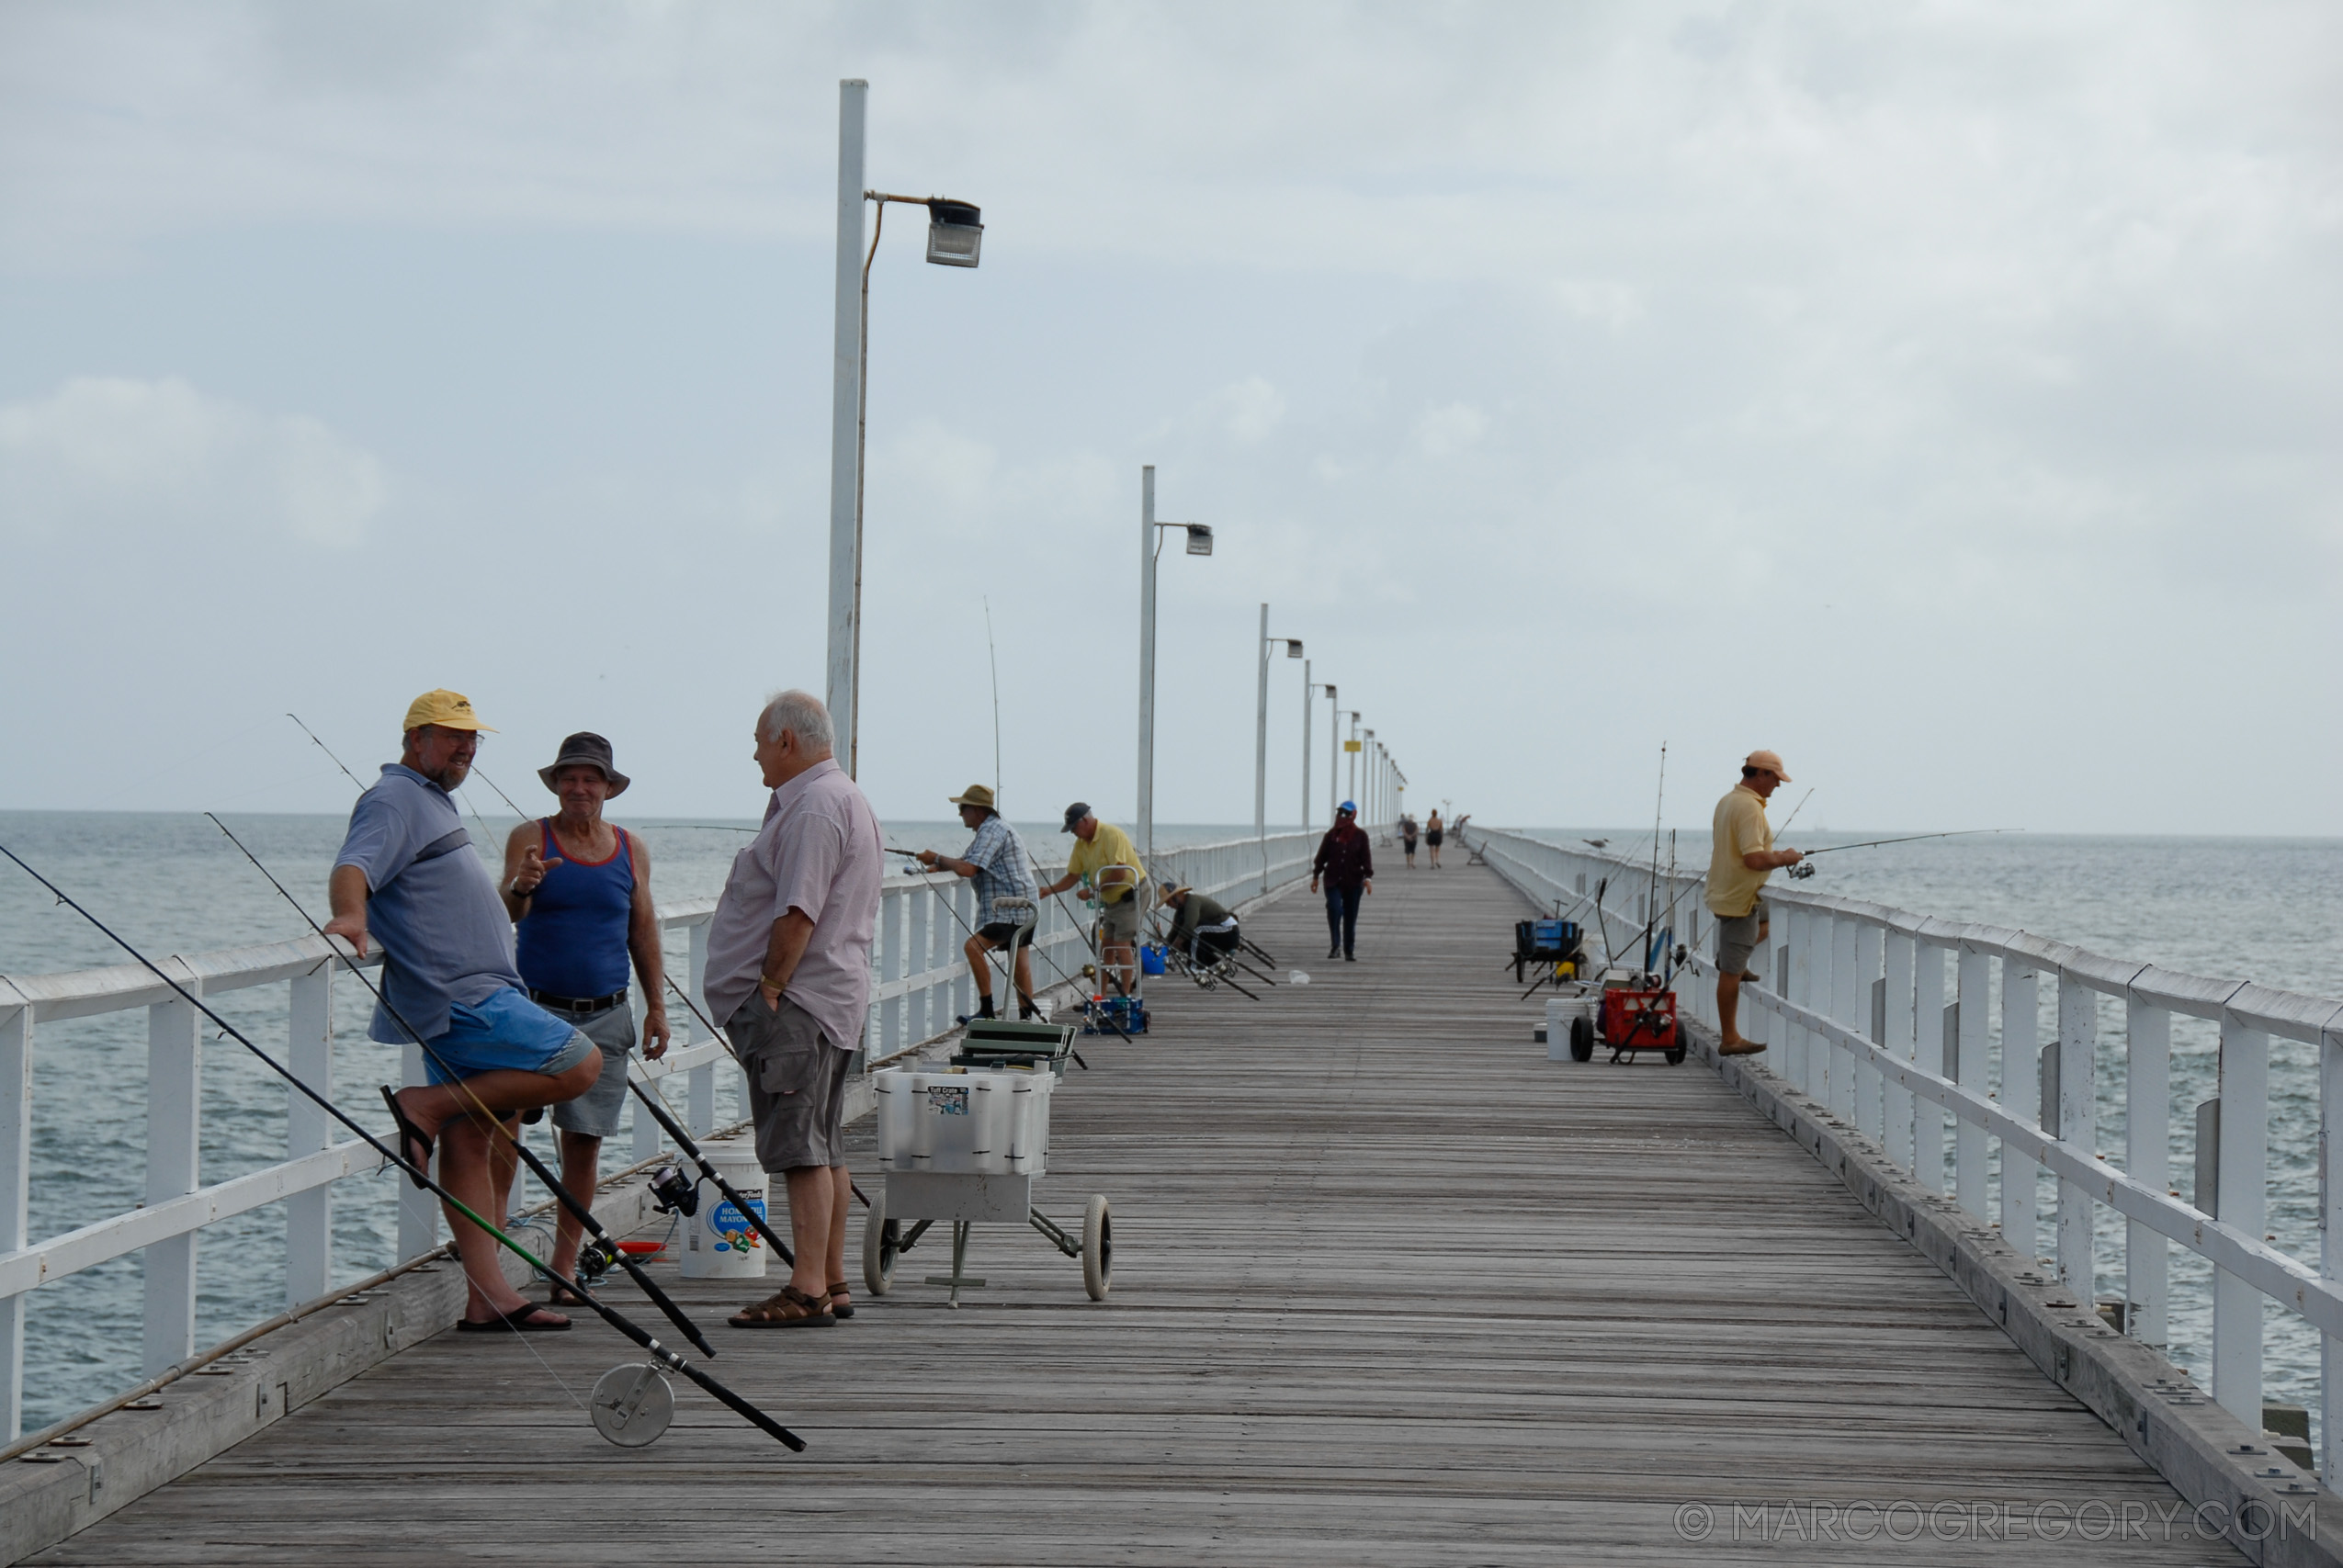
(1150, 542)
(1309, 694)
(1351, 752)
(1333, 752)
(846, 398)
(1260, 739)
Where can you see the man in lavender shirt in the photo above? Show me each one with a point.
(788, 969)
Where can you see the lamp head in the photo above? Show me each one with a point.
(1199, 539)
(954, 233)
(1293, 647)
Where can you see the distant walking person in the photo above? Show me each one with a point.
(580, 891)
(1104, 858)
(408, 876)
(1345, 862)
(1431, 834)
(788, 969)
(1408, 837)
(996, 858)
(1742, 857)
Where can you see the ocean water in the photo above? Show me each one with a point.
(2263, 909)
(2253, 908)
(173, 884)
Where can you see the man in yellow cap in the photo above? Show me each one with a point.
(996, 858)
(409, 876)
(1741, 856)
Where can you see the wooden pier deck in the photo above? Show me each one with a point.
(1389, 1288)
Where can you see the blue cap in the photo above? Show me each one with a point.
(1351, 806)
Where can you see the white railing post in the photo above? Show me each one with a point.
(700, 1092)
(1972, 1045)
(1928, 1034)
(1815, 943)
(647, 1134)
(2244, 1200)
(1871, 1108)
(2147, 1155)
(892, 966)
(2021, 1092)
(1848, 1009)
(2079, 1125)
(174, 1155)
(309, 1216)
(15, 1201)
(1896, 1039)
(1794, 1044)
(963, 897)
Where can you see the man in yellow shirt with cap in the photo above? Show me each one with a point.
(1741, 856)
(1104, 858)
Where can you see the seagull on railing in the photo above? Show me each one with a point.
(1598, 843)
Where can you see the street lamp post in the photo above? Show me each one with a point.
(1351, 749)
(954, 234)
(1150, 545)
(1260, 738)
(1334, 755)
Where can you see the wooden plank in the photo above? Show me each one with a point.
(1390, 1288)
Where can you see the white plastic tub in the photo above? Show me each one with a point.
(718, 1241)
(963, 1123)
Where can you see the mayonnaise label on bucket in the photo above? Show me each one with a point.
(734, 1232)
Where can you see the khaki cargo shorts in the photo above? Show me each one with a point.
(1118, 924)
(796, 1085)
(1736, 938)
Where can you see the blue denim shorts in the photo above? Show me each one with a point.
(505, 1030)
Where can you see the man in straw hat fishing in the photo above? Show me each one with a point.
(1741, 856)
(996, 859)
(408, 877)
(579, 891)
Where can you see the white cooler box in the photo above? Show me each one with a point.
(963, 1123)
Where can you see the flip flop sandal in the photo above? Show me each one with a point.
(409, 1135)
(792, 1308)
(519, 1320)
(837, 1307)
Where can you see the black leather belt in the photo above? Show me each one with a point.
(577, 1004)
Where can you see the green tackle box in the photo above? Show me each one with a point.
(1000, 1042)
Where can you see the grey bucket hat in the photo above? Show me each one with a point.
(587, 749)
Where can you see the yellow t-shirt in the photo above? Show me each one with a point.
(1109, 846)
(1740, 828)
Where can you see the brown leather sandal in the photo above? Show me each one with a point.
(840, 1308)
(791, 1308)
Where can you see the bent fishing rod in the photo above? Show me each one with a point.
(423, 1178)
(607, 1244)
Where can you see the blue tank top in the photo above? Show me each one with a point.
(573, 941)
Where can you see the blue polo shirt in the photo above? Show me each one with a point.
(430, 902)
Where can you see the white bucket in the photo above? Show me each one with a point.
(718, 1241)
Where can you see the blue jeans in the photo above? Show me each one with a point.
(1342, 916)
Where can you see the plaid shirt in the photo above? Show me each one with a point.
(1003, 869)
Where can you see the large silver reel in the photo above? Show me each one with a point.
(632, 1405)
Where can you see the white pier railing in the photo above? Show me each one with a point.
(922, 983)
(1886, 1018)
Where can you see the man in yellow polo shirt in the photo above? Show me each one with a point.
(1741, 856)
(1104, 857)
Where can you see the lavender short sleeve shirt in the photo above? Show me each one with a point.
(817, 854)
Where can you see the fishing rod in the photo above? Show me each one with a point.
(669, 1197)
(1651, 898)
(1800, 872)
(607, 1244)
(424, 1180)
(327, 750)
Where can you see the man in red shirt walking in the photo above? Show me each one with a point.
(1346, 862)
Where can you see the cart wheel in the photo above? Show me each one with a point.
(1676, 1056)
(1581, 1039)
(879, 1235)
(1098, 1248)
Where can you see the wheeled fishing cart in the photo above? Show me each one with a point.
(964, 1143)
(1637, 1014)
(1553, 946)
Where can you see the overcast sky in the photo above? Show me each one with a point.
(1945, 396)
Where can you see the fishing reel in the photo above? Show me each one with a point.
(633, 1404)
(1801, 871)
(595, 1259)
(674, 1192)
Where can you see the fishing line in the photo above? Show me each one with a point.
(423, 1178)
(581, 1212)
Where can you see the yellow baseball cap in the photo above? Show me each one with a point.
(448, 710)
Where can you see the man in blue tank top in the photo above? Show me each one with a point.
(580, 891)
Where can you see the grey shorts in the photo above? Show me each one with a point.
(1736, 938)
(1118, 924)
(796, 1085)
(595, 1113)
